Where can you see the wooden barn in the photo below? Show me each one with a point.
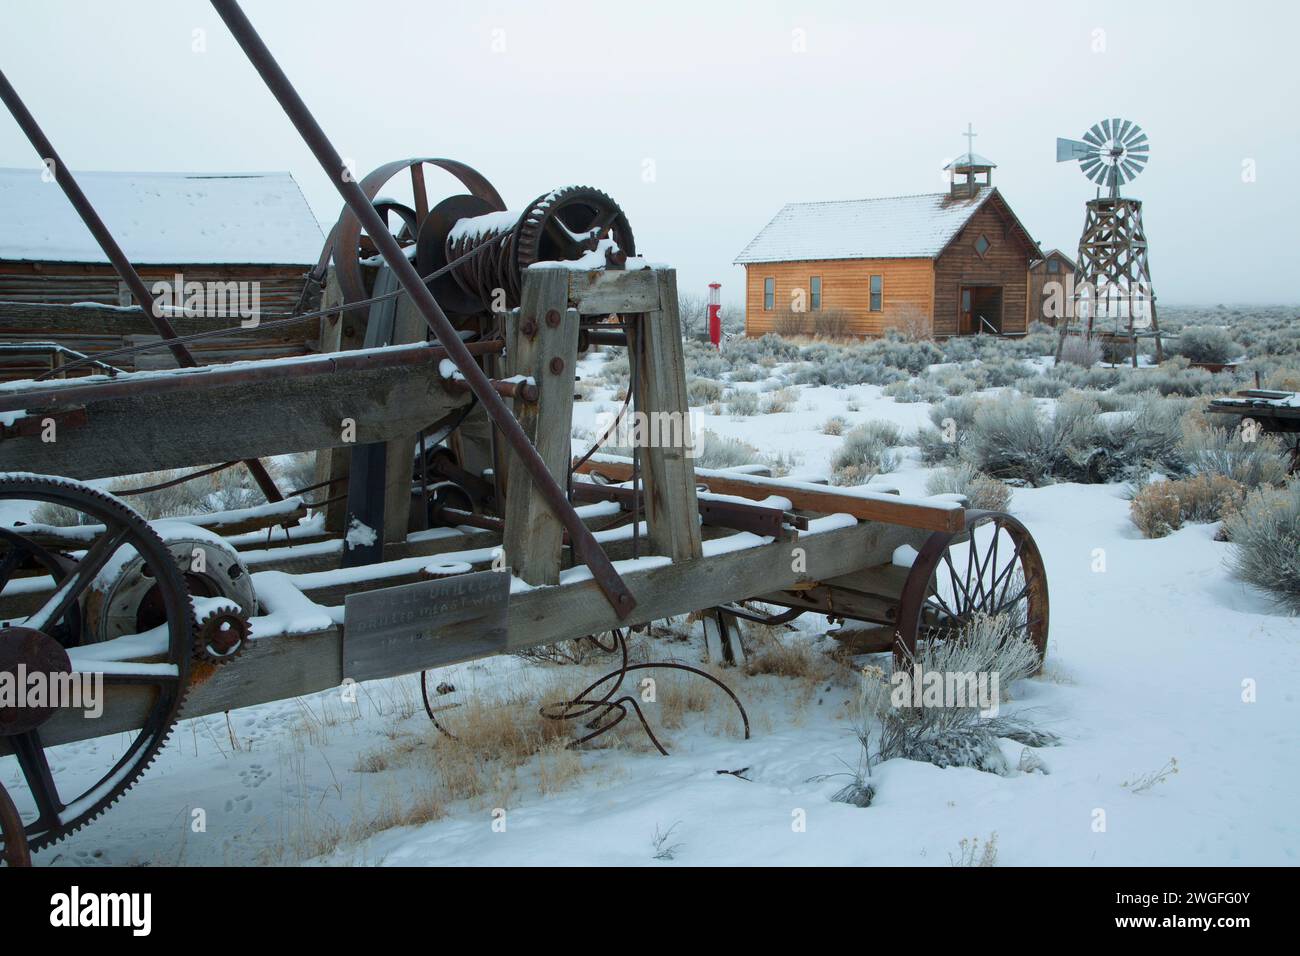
(247, 238)
(951, 263)
(1054, 267)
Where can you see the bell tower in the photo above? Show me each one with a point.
(965, 172)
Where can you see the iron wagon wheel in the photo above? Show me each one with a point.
(992, 568)
(14, 850)
(55, 800)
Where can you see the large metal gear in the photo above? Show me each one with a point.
(157, 662)
(565, 223)
(559, 226)
(127, 601)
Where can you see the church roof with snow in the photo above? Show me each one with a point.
(897, 227)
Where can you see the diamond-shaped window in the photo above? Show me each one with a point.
(982, 245)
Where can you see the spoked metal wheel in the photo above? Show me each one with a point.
(39, 598)
(992, 568)
(13, 850)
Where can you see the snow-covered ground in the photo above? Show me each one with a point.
(1153, 647)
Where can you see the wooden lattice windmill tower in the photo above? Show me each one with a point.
(1113, 297)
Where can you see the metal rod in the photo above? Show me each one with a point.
(524, 391)
(68, 183)
(602, 569)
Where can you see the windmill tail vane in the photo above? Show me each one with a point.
(1110, 154)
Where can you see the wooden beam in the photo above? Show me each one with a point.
(925, 515)
(602, 291)
(45, 318)
(399, 453)
(237, 419)
(277, 668)
(655, 343)
(542, 345)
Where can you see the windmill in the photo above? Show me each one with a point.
(1112, 277)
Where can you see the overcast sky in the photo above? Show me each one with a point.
(703, 118)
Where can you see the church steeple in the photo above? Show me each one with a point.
(965, 170)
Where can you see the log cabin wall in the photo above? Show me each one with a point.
(61, 284)
(1005, 263)
(907, 291)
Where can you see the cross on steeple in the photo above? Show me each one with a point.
(970, 135)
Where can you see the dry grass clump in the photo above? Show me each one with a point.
(798, 660)
(1162, 507)
(782, 400)
(835, 425)
(1156, 510)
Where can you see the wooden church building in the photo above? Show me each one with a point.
(953, 263)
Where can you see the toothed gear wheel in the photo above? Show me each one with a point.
(157, 663)
(565, 223)
(126, 601)
(222, 635)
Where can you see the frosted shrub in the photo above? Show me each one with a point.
(959, 736)
(1149, 436)
(1265, 534)
(1042, 386)
(702, 391)
(1010, 439)
(1222, 451)
(1207, 344)
(746, 372)
(953, 418)
(913, 357)
(961, 479)
(742, 403)
(1170, 381)
(847, 370)
(865, 453)
(1080, 350)
(910, 391)
(1001, 372)
(715, 451)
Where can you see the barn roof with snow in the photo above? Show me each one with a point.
(897, 227)
(161, 218)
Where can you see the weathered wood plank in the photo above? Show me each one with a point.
(533, 533)
(602, 291)
(47, 318)
(132, 433)
(667, 470)
(290, 666)
(399, 453)
(939, 516)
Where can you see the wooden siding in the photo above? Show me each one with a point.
(1005, 264)
(25, 286)
(846, 289)
(1038, 278)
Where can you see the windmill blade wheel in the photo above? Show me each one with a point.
(992, 568)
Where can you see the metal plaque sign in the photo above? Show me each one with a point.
(414, 627)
